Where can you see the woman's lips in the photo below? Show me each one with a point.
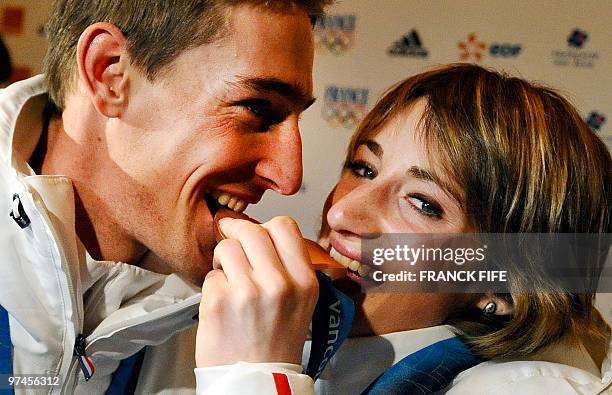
(349, 251)
(348, 258)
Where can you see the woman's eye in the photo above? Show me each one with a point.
(425, 207)
(362, 169)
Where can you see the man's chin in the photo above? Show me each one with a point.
(192, 270)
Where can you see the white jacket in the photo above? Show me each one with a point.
(560, 370)
(54, 291)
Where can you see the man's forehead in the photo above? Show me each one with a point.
(242, 14)
(265, 51)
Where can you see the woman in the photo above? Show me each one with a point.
(460, 149)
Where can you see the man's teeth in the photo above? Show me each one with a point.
(349, 263)
(229, 201)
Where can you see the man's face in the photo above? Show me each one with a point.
(222, 119)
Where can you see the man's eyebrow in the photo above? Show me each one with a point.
(292, 92)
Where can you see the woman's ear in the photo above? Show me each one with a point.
(493, 305)
(102, 63)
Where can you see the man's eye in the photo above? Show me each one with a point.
(424, 206)
(263, 111)
(362, 169)
(258, 107)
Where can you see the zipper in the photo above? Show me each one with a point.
(150, 318)
(87, 345)
(87, 367)
(70, 295)
(82, 344)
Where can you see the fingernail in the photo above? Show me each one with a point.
(224, 220)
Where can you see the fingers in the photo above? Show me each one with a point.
(215, 286)
(275, 251)
(231, 259)
(256, 244)
(258, 301)
(289, 244)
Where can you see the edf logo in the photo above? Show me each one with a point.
(505, 50)
(577, 38)
(473, 48)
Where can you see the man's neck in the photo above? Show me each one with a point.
(58, 153)
(37, 158)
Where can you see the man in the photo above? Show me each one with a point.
(150, 115)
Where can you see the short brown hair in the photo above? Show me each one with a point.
(519, 153)
(157, 31)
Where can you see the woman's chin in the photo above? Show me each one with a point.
(349, 285)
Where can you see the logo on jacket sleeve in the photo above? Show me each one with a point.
(409, 45)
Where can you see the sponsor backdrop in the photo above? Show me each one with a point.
(364, 46)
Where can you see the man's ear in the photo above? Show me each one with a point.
(102, 63)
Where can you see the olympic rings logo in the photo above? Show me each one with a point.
(343, 114)
(334, 41)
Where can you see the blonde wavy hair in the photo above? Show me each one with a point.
(525, 162)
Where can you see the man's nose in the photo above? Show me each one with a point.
(356, 212)
(282, 164)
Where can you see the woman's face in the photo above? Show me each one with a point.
(392, 185)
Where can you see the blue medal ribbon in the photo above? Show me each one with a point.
(429, 370)
(425, 371)
(331, 323)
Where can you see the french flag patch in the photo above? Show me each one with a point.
(86, 366)
(281, 383)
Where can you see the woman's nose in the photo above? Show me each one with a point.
(358, 211)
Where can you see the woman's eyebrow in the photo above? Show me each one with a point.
(422, 174)
(425, 175)
(374, 147)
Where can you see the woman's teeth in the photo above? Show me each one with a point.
(349, 263)
(232, 202)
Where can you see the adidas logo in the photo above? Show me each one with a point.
(408, 45)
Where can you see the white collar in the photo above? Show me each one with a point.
(528, 376)
(113, 283)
